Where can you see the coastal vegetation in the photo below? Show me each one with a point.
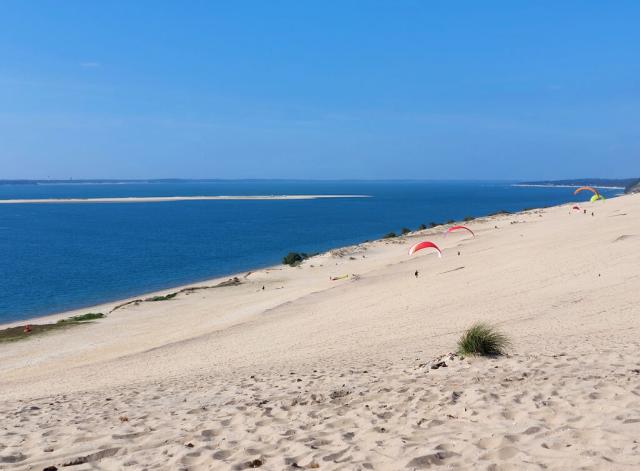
(483, 339)
(633, 187)
(499, 212)
(230, 282)
(166, 297)
(90, 316)
(405, 231)
(21, 332)
(389, 235)
(421, 227)
(294, 258)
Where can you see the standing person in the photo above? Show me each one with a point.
(416, 274)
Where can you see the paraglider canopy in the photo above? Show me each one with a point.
(576, 207)
(424, 245)
(597, 197)
(460, 228)
(586, 188)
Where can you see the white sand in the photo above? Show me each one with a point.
(163, 199)
(326, 374)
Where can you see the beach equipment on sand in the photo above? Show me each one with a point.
(597, 197)
(576, 207)
(340, 277)
(460, 228)
(425, 245)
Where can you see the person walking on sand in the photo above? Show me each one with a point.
(416, 274)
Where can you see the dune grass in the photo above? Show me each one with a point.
(12, 334)
(166, 297)
(90, 316)
(482, 339)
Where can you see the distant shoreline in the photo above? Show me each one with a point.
(551, 185)
(161, 199)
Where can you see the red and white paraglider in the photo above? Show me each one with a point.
(576, 207)
(460, 228)
(425, 245)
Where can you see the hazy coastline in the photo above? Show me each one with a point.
(160, 199)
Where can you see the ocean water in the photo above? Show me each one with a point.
(55, 257)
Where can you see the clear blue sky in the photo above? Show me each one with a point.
(326, 89)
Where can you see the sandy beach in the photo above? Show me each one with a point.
(166, 199)
(288, 369)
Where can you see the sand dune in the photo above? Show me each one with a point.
(161, 199)
(312, 373)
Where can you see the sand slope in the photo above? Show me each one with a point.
(326, 374)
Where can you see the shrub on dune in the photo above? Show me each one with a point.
(390, 235)
(294, 258)
(405, 230)
(484, 340)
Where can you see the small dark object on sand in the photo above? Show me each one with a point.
(254, 463)
(458, 253)
(50, 468)
(440, 364)
(416, 273)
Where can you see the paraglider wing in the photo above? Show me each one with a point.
(586, 188)
(597, 197)
(424, 245)
(458, 228)
(576, 207)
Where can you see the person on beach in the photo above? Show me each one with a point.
(416, 274)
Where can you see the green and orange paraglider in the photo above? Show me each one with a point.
(586, 188)
(595, 197)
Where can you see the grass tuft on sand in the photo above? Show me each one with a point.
(166, 297)
(22, 332)
(90, 316)
(482, 339)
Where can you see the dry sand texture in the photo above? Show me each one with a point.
(312, 373)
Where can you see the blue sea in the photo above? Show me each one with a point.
(56, 257)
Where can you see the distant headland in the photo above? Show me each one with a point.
(629, 185)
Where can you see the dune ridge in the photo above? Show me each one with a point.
(318, 374)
